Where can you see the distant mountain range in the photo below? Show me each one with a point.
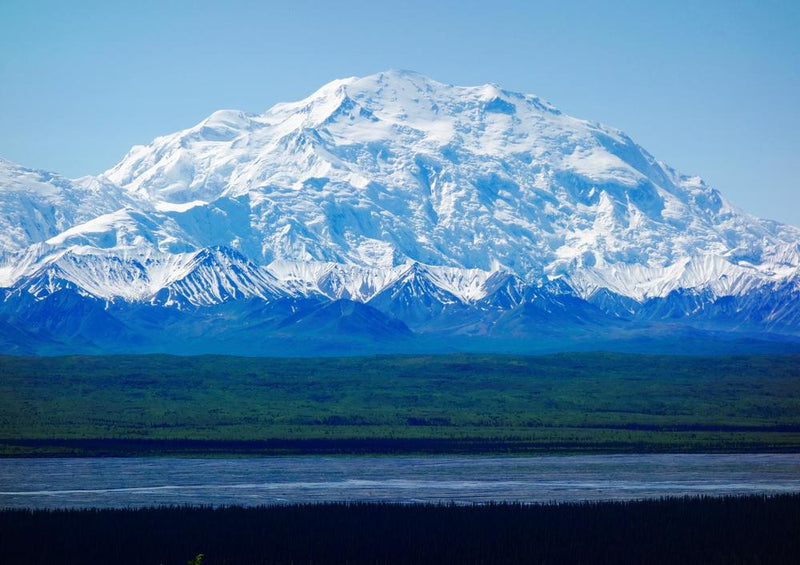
(389, 213)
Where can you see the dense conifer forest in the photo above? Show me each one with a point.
(747, 530)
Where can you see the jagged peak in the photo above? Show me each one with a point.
(216, 252)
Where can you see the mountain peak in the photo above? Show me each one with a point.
(395, 167)
(389, 187)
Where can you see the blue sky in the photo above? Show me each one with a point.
(712, 88)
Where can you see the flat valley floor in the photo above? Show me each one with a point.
(576, 403)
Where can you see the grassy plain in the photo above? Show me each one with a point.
(128, 405)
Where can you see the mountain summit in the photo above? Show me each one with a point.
(448, 210)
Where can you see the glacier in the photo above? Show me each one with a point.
(388, 212)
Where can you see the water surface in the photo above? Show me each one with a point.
(135, 482)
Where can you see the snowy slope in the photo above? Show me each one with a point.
(395, 167)
(37, 205)
(422, 200)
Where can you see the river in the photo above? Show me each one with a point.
(136, 482)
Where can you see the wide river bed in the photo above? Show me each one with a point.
(134, 482)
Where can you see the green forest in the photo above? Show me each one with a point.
(95, 405)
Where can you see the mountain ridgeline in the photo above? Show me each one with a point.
(389, 213)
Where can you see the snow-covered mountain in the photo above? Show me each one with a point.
(452, 211)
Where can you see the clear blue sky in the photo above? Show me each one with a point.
(710, 87)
